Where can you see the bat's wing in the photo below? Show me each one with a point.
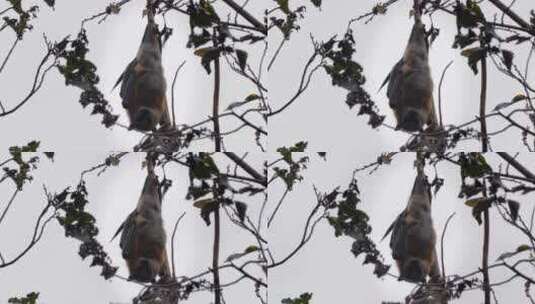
(387, 79)
(395, 87)
(128, 228)
(127, 80)
(392, 226)
(398, 242)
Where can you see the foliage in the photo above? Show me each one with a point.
(302, 299)
(347, 73)
(22, 24)
(353, 222)
(80, 72)
(21, 175)
(292, 173)
(30, 298)
(81, 225)
(210, 188)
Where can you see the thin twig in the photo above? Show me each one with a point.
(276, 54)
(513, 162)
(173, 91)
(277, 207)
(440, 93)
(484, 148)
(9, 54)
(247, 16)
(9, 204)
(215, 260)
(215, 112)
(246, 167)
(442, 243)
(173, 244)
(482, 105)
(516, 18)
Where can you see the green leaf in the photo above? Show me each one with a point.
(30, 298)
(519, 249)
(503, 105)
(478, 209)
(247, 251)
(201, 52)
(203, 203)
(207, 207)
(474, 202)
(283, 4)
(303, 299)
(252, 97)
(474, 55)
(251, 248)
(523, 247)
(473, 165)
(202, 166)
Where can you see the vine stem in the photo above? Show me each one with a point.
(484, 148)
(215, 112)
(215, 261)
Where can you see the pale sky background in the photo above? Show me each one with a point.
(328, 269)
(325, 267)
(53, 266)
(113, 44)
(321, 115)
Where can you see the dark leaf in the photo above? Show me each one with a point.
(508, 58)
(50, 3)
(474, 55)
(514, 206)
(316, 3)
(242, 59)
(303, 299)
(49, 155)
(241, 208)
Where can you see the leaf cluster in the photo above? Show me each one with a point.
(80, 224)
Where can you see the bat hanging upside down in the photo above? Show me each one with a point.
(413, 236)
(143, 237)
(410, 86)
(143, 88)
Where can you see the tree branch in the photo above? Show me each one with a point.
(246, 167)
(482, 105)
(215, 114)
(513, 16)
(215, 260)
(245, 14)
(513, 162)
(484, 148)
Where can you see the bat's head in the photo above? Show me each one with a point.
(145, 270)
(145, 119)
(411, 121)
(414, 270)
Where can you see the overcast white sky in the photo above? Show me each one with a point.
(328, 269)
(325, 266)
(56, 118)
(321, 115)
(54, 268)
